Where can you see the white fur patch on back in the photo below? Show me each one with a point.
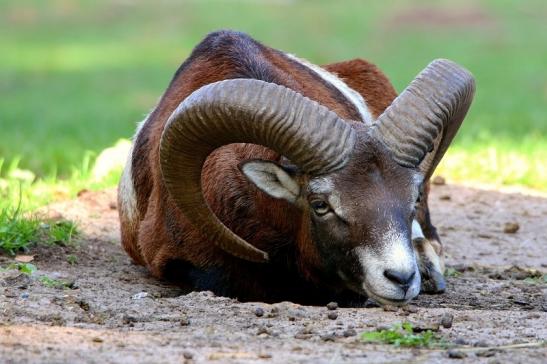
(126, 190)
(353, 96)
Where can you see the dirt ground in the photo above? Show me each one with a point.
(114, 312)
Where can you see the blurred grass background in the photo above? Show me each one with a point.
(76, 75)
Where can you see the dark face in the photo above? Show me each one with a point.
(361, 218)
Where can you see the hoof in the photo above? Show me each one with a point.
(433, 282)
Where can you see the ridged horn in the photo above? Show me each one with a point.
(245, 111)
(426, 115)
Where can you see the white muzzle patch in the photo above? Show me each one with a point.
(396, 255)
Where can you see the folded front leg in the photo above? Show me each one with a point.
(430, 258)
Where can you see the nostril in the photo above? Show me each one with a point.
(401, 278)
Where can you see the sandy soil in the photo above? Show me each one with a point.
(115, 312)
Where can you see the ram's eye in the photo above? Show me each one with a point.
(320, 207)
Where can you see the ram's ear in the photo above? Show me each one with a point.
(271, 178)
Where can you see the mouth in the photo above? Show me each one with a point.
(382, 300)
(365, 290)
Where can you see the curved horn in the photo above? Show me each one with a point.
(245, 111)
(426, 115)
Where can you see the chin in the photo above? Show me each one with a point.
(392, 301)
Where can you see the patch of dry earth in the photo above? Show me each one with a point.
(117, 313)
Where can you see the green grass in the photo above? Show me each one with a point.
(451, 272)
(72, 259)
(54, 283)
(76, 76)
(403, 335)
(25, 268)
(19, 232)
(16, 231)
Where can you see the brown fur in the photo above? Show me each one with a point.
(165, 242)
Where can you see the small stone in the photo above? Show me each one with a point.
(332, 315)
(97, 340)
(486, 353)
(349, 333)
(480, 344)
(425, 326)
(139, 296)
(328, 337)
(259, 312)
(461, 341)
(332, 306)
(128, 319)
(511, 227)
(262, 330)
(83, 305)
(456, 354)
(265, 356)
(446, 320)
(184, 321)
(274, 312)
(445, 197)
(188, 355)
(438, 181)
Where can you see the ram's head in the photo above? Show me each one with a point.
(356, 184)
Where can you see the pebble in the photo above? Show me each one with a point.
(446, 320)
(456, 354)
(511, 227)
(262, 330)
(259, 312)
(332, 315)
(486, 353)
(349, 333)
(274, 312)
(84, 305)
(445, 197)
(328, 337)
(128, 319)
(461, 341)
(184, 321)
(188, 355)
(332, 306)
(480, 344)
(139, 296)
(97, 340)
(265, 356)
